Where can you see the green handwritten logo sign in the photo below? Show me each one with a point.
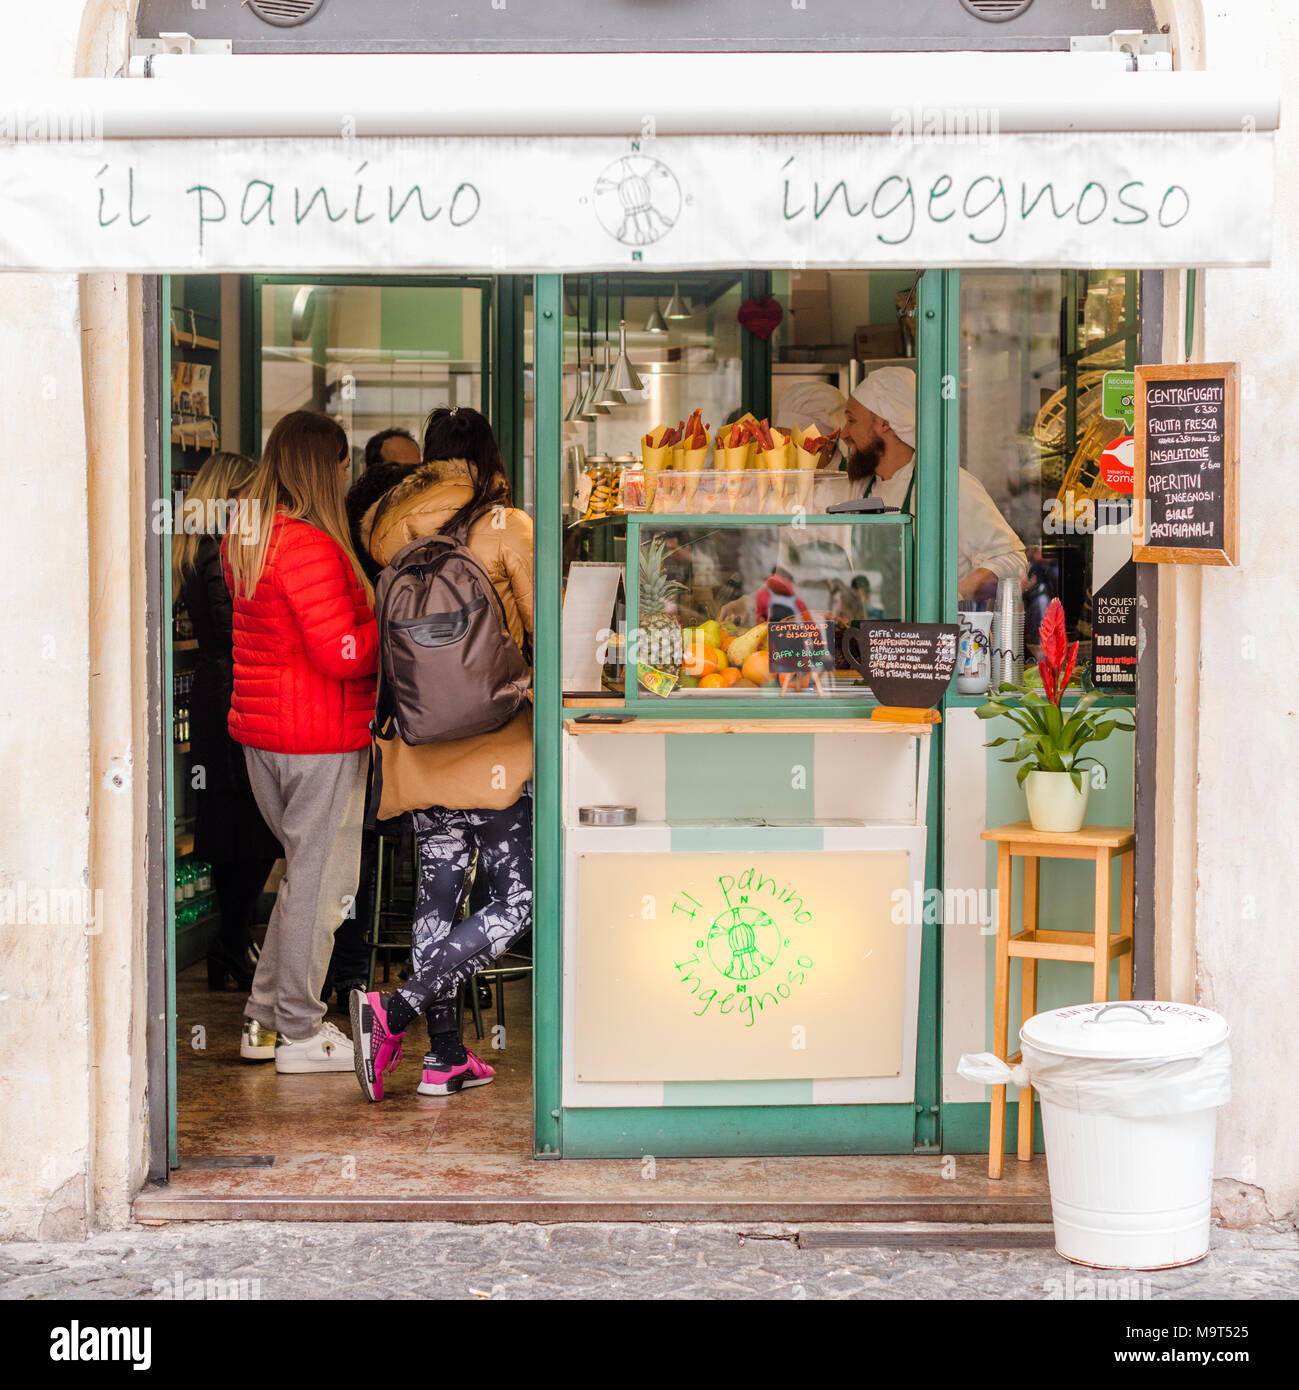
(1118, 392)
(745, 958)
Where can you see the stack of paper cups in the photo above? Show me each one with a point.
(1008, 635)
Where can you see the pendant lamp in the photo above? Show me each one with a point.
(677, 307)
(606, 394)
(591, 406)
(624, 380)
(575, 405)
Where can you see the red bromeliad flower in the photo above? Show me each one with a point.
(1052, 635)
(1058, 655)
(1048, 681)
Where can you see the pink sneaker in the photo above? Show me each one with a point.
(441, 1080)
(376, 1048)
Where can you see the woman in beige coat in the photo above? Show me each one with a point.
(469, 795)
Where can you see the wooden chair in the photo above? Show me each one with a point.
(1102, 844)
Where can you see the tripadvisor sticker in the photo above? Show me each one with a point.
(1118, 397)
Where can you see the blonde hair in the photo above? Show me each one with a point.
(300, 475)
(206, 510)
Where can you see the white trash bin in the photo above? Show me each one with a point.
(1129, 1095)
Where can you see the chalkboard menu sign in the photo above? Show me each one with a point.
(798, 646)
(905, 664)
(1187, 449)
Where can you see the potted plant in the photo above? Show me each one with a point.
(1050, 749)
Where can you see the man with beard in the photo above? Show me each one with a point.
(880, 429)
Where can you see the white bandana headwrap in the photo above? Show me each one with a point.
(890, 393)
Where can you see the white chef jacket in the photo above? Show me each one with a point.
(984, 539)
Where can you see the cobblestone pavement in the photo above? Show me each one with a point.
(607, 1260)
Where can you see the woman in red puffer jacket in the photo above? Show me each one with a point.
(305, 654)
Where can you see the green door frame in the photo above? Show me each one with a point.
(169, 759)
(505, 407)
(791, 1129)
(723, 1130)
(547, 780)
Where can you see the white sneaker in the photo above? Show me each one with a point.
(256, 1044)
(326, 1050)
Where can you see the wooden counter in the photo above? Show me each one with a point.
(750, 726)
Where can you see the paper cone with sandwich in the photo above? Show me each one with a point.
(654, 457)
(694, 454)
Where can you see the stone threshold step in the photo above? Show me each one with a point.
(157, 1205)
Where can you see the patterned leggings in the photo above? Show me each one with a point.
(446, 952)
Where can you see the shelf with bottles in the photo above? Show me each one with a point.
(182, 684)
(194, 894)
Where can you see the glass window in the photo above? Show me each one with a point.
(683, 340)
(837, 326)
(705, 593)
(1034, 350)
(371, 356)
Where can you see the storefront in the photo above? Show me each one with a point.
(788, 951)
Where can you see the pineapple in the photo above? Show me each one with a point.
(658, 598)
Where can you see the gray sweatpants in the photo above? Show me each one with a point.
(315, 804)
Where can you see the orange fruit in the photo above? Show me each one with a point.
(702, 660)
(729, 676)
(713, 682)
(756, 669)
(726, 639)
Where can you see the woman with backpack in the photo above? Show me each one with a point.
(305, 652)
(467, 793)
(229, 830)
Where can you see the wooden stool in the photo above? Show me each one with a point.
(1101, 843)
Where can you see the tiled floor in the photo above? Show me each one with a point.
(333, 1154)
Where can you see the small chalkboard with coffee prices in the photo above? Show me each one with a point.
(798, 646)
(906, 665)
(1186, 459)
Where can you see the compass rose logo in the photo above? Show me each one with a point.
(637, 199)
(743, 943)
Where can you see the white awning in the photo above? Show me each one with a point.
(526, 162)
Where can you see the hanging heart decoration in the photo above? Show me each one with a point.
(761, 316)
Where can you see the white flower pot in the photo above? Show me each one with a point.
(1054, 803)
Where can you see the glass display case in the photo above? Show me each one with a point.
(703, 594)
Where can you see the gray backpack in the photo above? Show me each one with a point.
(448, 667)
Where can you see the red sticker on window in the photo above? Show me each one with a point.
(1116, 465)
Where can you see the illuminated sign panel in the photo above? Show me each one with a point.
(734, 966)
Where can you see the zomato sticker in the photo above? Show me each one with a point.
(1116, 465)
